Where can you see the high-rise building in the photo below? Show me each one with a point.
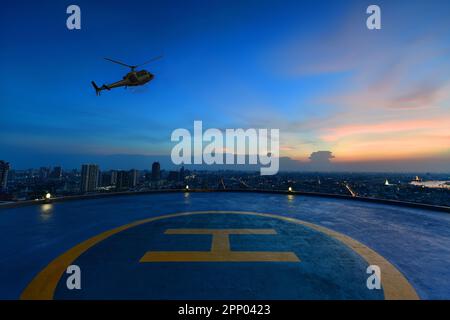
(133, 178)
(108, 178)
(89, 177)
(4, 169)
(99, 178)
(156, 171)
(122, 179)
(105, 179)
(126, 179)
(113, 177)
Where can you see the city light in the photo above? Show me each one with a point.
(290, 189)
(48, 196)
(187, 187)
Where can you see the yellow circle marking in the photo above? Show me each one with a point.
(42, 287)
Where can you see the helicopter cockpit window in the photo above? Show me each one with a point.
(141, 73)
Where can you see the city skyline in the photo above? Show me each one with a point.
(377, 100)
(142, 162)
(91, 179)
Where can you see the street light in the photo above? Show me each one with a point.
(48, 196)
(290, 189)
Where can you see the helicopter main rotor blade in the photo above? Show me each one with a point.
(121, 63)
(151, 60)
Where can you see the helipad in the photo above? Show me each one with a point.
(223, 246)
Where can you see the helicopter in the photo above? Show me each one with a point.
(131, 79)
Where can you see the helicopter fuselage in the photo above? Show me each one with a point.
(137, 78)
(131, 79)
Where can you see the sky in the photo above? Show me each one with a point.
(375, 99)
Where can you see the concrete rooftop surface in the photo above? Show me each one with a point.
(223, 246)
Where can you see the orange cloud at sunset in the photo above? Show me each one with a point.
(403, 147)
(437, 126)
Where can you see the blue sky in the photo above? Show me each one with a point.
(310, 68)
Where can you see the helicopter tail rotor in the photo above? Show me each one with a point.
(97, 89)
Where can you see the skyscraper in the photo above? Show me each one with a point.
(126, 179)
(89, 177)
(122, 180)
(113, 177)
(4, 169)
(156, 171)
(108, 178)
(133, 178)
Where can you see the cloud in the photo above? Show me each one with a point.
(424, 96)
(321, 157)
(431, 125)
